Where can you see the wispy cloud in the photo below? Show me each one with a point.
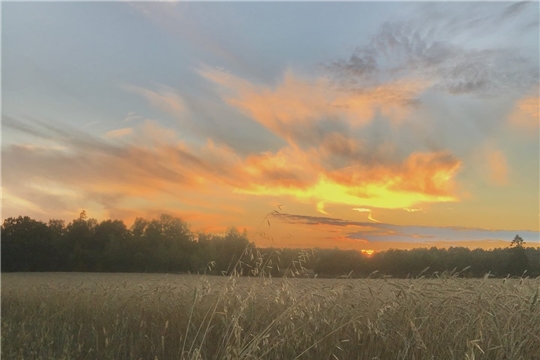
(431, 47)
(131, 116)
(153, 164)
(498, 167)
(412, 210)
(382, 232)
(165, 99)
(368, 211)
(526, 114)
(118, 133)
(304, 111)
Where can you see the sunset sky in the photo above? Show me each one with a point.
(373, 125)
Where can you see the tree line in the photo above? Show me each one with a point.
(168, 245)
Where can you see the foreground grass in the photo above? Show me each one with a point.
(134, 316)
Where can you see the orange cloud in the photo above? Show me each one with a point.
(498, 167)
(155, 165)
(118, 133)
(526, 114)
(296, 107)
(428, 173)
(301, 112)
(336, 144)
(423, 177)
(288, 168)
(393, 100)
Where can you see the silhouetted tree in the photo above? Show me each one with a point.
(518, 262)
(113, 242)
(82, 243)
(517, 242)
(26, 245)
(230, 249)
(60, 249)
(167, 244)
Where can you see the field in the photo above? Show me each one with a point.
(157, 316)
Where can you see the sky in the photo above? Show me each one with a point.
(361, 125)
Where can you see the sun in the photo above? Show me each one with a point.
(367, 252)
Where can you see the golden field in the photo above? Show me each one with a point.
(170, 316)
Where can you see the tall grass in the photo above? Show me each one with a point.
(131, 316)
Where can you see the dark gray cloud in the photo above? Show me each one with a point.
(382, 232)
(322, 220)
(450, 47)
(477, 18)
(514, 9)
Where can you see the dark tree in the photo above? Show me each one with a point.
(83, 244)
(518, 242)
(26, 245)
(167, 244)
(518, 261)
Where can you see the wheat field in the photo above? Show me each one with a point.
(157, 316)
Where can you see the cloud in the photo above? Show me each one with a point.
(431, 47)
(412, 210)
(498, 167)
(90, 124)
(420, 235)
(514, 9)
(176, 19)
(328, 156)
(369, 211)
(118, 133)
(324, 161)
(165, 99)
(526, 114)
(132, 116)
(362, 210)
(153, 163)
(62, 134)
(287, 168)
(303, 111)
(422, 178)
(320, 208)
(320, 220)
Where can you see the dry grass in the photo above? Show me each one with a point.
(136, 316)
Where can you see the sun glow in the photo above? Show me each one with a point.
(327, 191)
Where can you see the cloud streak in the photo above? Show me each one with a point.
(382, 232)
(165, 99)
(118, 133)
(368, 211)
